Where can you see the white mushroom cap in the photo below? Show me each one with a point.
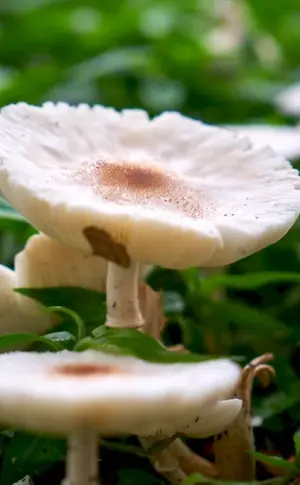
(63, 391)
(45, 262)
(18, 313)
(213, 420)
(288, 100)
(284, 140)
(209, 421)
(171, 191)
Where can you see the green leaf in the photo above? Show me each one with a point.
(8, 213)
(74, 317)
(196, 478)
(279, 402)
(247, 317)
(249, 281)
(137, 344)
(297, 442)
(17, 340)
(65, 340)
(276, 461)
(124, 448)
(138, 476)
(172, 302)
(89, 305)
(28, 454)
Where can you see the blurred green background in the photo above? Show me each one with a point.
(222, 61)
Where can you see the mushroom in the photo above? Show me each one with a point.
(92, 392)
(169, 191)
(209, 421)
(45, 262)
(18, 313)
(284, 140)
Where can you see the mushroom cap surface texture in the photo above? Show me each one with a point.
(169, 191)
(63, 391)
(284, 140)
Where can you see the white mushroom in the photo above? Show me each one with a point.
(45, 262)
(207, 422)
(288, 100)
(18, 313)
(284, 140)
(171, 191)
(82, 394)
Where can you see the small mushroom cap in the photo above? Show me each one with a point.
(171, 191)
(18, 313)
(46, 262)
(59, 392)
(284, 140)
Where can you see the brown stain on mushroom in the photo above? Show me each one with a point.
(144, 185)
(131, 176)
(87, 369)
(103, 245)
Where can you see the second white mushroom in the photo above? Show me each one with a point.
(82, 394)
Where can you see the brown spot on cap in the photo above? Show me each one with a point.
(145, 185)
(131, 176)
(103, 245)
(87, 369)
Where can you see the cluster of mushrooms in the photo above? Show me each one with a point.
(113, 193)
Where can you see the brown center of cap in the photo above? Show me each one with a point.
(131, 181)
(144, 184)
(84, 369)
(130, 176)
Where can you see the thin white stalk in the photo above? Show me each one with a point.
(123, 311)
(82, 459)
(122, 297)
(164, 463)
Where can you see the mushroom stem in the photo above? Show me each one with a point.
(189, 461)
(82, 459)
(122, 296)
(164, 463)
